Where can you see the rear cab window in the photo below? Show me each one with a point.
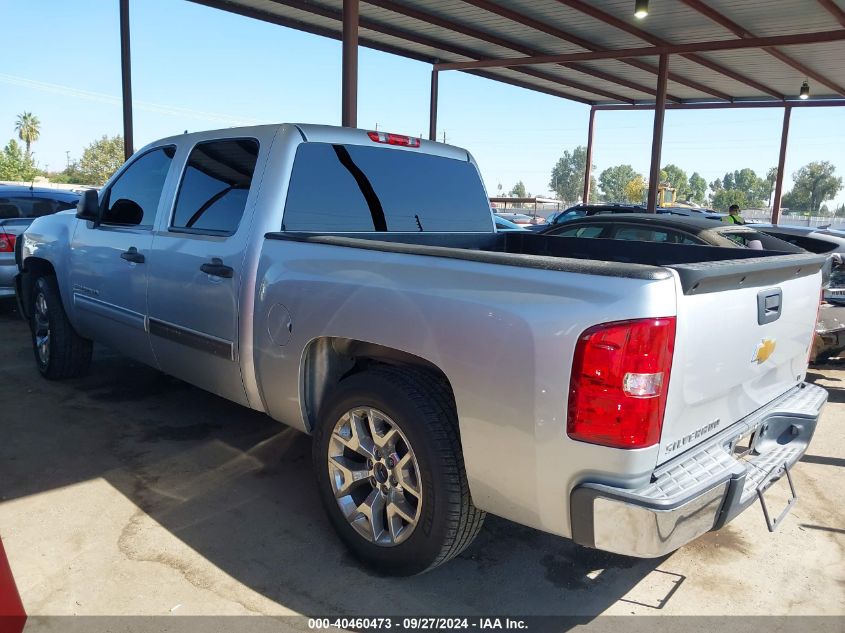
(352, 188)
(759, 241)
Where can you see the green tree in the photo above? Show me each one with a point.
(797, 202)
(677, 178)
(724, 198)
(100, 160)
(839, 212)
(815, 183)
(635, 189)
(697, 188)
(28, 128)
(519, 190)
(15, 164)
(568, 176)
(70, 175)
(613, 181)
(753, 188)
(771, 177)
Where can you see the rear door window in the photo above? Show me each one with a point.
(213, 192)
(353, 188)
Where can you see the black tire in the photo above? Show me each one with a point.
(68, 355)
(421, 406)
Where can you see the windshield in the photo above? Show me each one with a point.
(353, 188)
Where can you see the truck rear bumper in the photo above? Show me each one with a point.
(702, 489)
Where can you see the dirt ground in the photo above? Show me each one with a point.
(129, 492)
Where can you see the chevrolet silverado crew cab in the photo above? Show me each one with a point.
(630, 396)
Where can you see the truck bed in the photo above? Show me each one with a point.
(700, 268)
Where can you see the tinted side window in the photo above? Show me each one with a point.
(32, 207)
(569, 215)
(133, 199)
(582, 231)
(212, 195)
(360, 188)
(47, 206)
(644, 234)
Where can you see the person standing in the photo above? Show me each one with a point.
(733, 216)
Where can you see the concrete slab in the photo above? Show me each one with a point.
(128, 492)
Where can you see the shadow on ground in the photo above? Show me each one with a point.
(238, 488)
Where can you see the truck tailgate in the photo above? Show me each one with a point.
(743, 336)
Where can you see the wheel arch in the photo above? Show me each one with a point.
(328, 360)
(31, 269)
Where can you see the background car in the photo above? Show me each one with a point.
(671, 229)
(19, 206)
(817, 240)
(519, 219)
(589, 210)
(503, 225)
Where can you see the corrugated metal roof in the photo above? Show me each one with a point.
(468, 30)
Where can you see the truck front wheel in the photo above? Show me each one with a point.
(59, 351)
(390, 470)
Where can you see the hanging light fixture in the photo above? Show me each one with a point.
(805, 90)
(640, 9)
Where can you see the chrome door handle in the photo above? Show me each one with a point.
(132, 255)
(217, 268)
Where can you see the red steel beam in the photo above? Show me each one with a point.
(691, 55)
(529, 86)
(537, 25)
(423, 40)
(648, 51)
(432, 107)
(292, 23)
(349, 92)
(657, 136)
(784, 136)
(834, 10)
(126, 81)
(299, 25)
(484, 36)
(742, 32)
(589, 166)
(829, 103)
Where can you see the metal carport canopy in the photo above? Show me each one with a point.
(685, 54)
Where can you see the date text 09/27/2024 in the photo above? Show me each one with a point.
(417, 623)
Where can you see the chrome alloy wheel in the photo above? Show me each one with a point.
(375, 476)
(42, 329)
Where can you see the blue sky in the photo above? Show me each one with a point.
(198, 68)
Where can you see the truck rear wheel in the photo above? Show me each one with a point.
(390, 470)
(59, 351)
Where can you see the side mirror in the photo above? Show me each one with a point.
(89, 207)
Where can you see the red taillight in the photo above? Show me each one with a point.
(7, 242)
(620, 376)
(394, 139)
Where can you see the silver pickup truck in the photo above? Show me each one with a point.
(350, 284)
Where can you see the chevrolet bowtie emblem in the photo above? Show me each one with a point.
(765, 349)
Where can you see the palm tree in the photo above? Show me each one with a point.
(28, 128)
